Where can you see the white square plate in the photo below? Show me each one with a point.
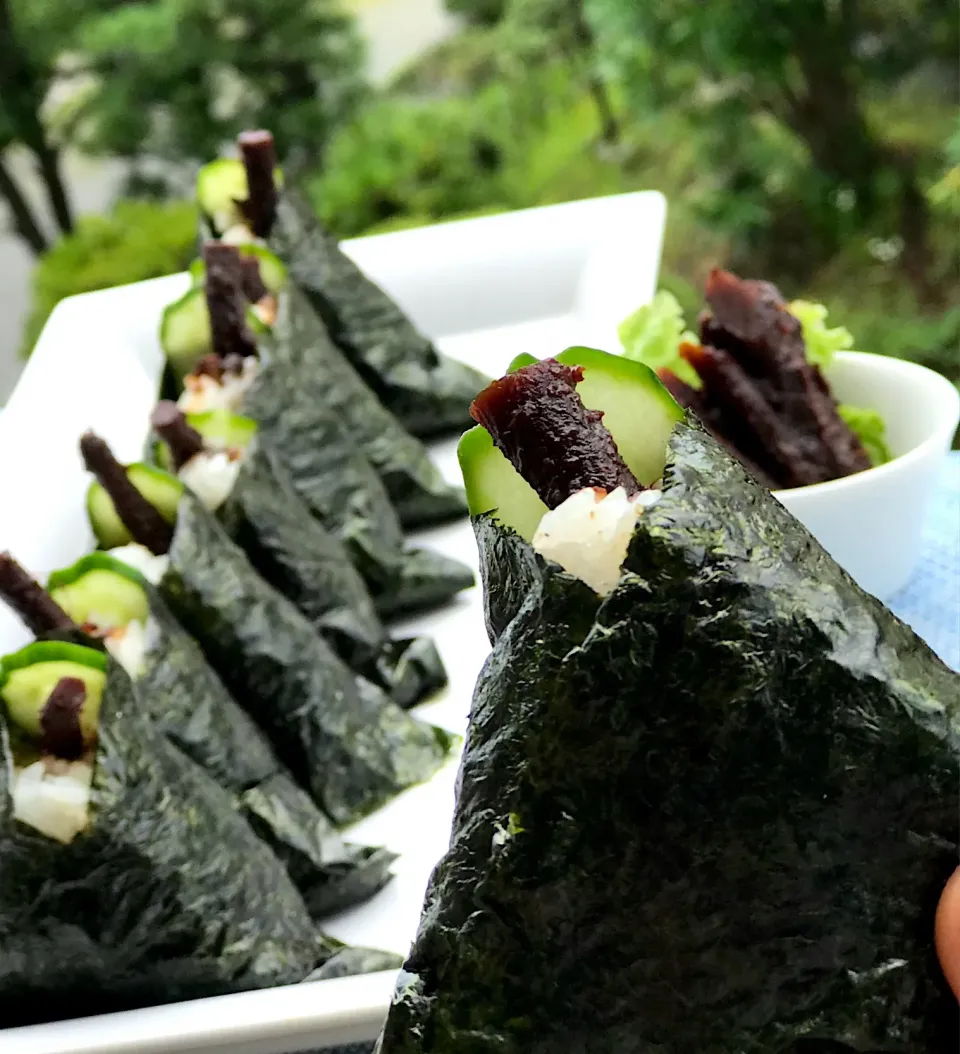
(537, 281)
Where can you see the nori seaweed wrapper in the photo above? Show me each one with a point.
(419, 493)
(342, 738)
(309, 565)
(713, 811)
(191, 706)
(508, 570)
(168, 894)
(342, 490)
(429, 393)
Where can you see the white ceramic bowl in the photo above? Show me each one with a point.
(871, 522)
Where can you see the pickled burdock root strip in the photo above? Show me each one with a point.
(538, 421)
(60, 720)
(760, 432)
(170, 423)
(259, 159)
(141, 519)
(38, 611)
(254, 288)
(226, 303)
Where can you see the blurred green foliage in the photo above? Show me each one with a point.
(170, 80)
(138, 240)
(818, 147)
(819, 150)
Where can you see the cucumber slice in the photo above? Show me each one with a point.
(222, 429)
(639, 412)
(101, 590)
(220, 185)
(160, 488)
(494, 485)
(273, 272)
(29, 676)
(185, 335)
(523, 359)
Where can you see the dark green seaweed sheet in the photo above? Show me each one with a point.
(309, 565)
(168, 896)
(418, 491)
(712, 813)
(340, 487)
(508, 570)
(340, 735)
(428, 392)
(191, 706)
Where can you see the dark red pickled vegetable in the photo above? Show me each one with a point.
(226, 303)
(538, 421)
(141, 519)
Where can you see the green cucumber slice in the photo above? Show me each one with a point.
(185, 335)
(160, 488)
(523, 359)
(639, 412)
(221, 428)
(101, 590)
(27, 678)
(273, 271)
(220, 185)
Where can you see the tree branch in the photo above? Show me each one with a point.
(48, 161)
(24, 221)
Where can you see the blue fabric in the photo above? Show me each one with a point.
(930, 602)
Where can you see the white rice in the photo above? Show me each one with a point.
(129, 645)
(588, 534)
(53, 797)
(141, 559)
(202, 392)
(211, 477)
(240, 234)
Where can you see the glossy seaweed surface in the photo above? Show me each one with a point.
(341, 488)
(711, 812)
(342, 738)
(418, 491)
(429, 393)
(168, 896)
(309, 565)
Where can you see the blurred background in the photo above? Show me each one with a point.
(815, 143)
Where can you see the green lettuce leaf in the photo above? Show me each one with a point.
(822, 343)
(869, 428)
(653, 335)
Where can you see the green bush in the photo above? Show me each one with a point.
(138, 240)
(404, 157)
